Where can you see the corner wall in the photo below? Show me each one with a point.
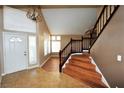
(108, 46)
(1, 45)
(42, 28)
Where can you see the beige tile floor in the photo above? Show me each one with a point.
(40, 78)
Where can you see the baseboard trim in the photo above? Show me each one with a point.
(0, 82)
(33, 67)
(54, 56)
(66, 62)
(45, 61)
(28, 68)
(3, 74)
(0, 79)
(98, 70)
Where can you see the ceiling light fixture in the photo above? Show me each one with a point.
(34, 13)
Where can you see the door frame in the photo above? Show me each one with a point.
(37, 64)
(27, 48)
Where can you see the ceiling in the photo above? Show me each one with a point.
(69, 6)
(69, 21)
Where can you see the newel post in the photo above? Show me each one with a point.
(60, 66)
(82, 44)
(91, 32)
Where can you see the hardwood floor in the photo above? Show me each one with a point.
(52, 65)
(46, 77)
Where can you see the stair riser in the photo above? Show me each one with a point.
(84, 79)
(85, 74)
(81, 65)
(82, 60)
(82, 71)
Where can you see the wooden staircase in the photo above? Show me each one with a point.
(81, 68)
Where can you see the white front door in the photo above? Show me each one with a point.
(15, 52)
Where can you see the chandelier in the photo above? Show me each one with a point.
(34, 13)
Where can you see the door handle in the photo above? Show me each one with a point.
(25, 53)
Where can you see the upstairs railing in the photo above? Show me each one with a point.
(106, 14)
(74, 46)
(78, 46)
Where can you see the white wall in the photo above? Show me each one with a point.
(16, 20)
(0, 57)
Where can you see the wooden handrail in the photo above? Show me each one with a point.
(65, 46)
(99, 17)
(105, 9)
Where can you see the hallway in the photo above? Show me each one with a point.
(52, 65)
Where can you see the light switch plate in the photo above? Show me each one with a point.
(119, 58)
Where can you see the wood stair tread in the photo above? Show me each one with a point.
(87, 80)
(80, 57)
(83, 65)
(82, 71)
(81, 60)
(84, 54)
(101, 85)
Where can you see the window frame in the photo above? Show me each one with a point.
(55, 40)
(47, 45)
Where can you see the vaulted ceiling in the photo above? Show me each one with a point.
(70, 21)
